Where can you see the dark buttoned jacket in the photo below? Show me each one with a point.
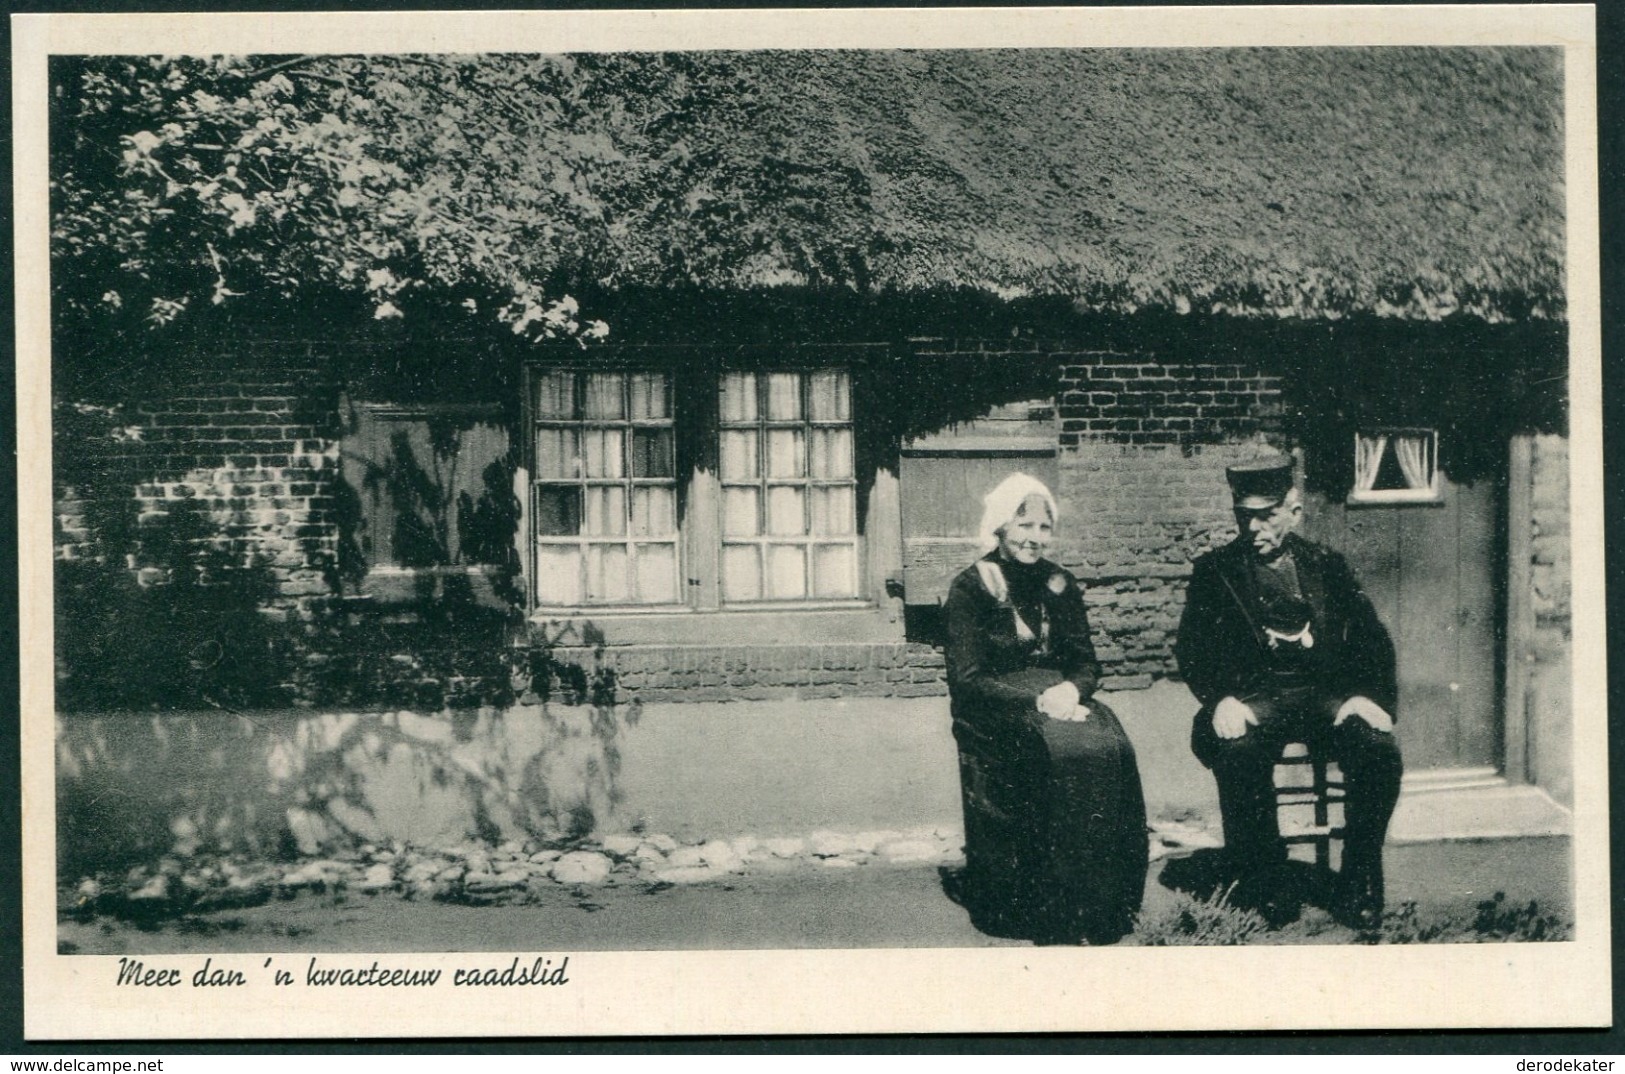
(1223, 650)
(992, 673)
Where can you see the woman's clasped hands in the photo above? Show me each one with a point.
(1061, 702)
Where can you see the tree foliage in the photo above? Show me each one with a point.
(185, 183)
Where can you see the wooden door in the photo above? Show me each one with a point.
(943, 478)
(1430, 569)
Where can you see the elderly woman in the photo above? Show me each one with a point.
(1055, 835)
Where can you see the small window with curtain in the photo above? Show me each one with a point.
(604, 488)
(1396, 466)
(788, 486)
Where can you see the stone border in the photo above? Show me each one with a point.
(516, 872)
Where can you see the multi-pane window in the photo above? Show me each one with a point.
(605, 492)
(788, 490)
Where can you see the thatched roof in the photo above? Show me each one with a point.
(1414, 182)
(1410, 182)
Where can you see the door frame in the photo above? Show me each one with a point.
(1520, 616)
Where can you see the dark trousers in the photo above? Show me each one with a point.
(1245, 771)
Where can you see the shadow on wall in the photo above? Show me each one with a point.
(167, 595)
(168, 616)
(423, 491)
(133, 788)
(167, 592)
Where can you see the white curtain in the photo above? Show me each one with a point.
(786, 571)
(657, 573)
(741, 572)
(1412, 452)
(1367, 461)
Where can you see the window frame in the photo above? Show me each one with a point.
(1430, 494)
(629, 539)
(807, 538)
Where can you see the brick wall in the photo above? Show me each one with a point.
(245, 457)
(1129, 399)
(1550, 572)
(1143, 452)
(251, 453)
(250, 460)
(433, 671)
(1142, 449)
(761, 672)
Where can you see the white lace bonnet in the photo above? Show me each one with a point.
(1001, 505)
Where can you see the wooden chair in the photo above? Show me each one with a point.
(1305, 782)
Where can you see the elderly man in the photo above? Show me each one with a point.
(1280, 644)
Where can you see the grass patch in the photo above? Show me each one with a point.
(1213, 922)
(1495, 920)
(1206, 922)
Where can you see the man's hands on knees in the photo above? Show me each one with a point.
(1232, 717)
(1061, 702)
(1366, 709)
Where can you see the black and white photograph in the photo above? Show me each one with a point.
(838, 522)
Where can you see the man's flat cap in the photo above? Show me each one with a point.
(1260, 483)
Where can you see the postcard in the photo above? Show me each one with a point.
(564, 523)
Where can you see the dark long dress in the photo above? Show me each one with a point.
(1055, 832)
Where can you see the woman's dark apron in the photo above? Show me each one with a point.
(1055, 826)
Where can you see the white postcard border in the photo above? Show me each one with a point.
(914, 991)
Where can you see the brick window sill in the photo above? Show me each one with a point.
(843, 623)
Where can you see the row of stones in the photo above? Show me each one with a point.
(1217, 430)
(1198, 387)
(754, 673)
(945, 347)
(168, 457)
(516, 871)
(211, 401)
(1133, 638)
(244, 435)
(431, 676)
(1120, 369)
(479, 872)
